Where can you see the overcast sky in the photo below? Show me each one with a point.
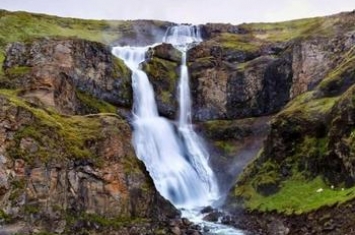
(185, 11)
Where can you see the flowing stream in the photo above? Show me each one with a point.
(174, 155)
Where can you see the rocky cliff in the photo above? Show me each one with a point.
(66, 160)
(280, 94)
(273, 101)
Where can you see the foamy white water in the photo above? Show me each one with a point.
(175, 157)
(177, 175)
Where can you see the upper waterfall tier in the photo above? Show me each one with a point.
(183, 37)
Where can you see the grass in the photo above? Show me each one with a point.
(18, 70)
(94, 104)
(284, 31)
(296, 196)
(304, 104)
(22, 26)
(239, 42)
(336, 77)
(58, 136)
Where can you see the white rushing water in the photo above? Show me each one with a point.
(174, 156)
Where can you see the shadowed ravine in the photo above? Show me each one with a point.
(175, 156)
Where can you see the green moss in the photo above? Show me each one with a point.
(161, 69)
(339, 75)
(306, 106)
(162, 74)
(18, 70)
(284, 31)
(4, 217)
(58, 136)
(31, 209)
(121, 70)
(22, 26)
(19, 184)
(299, 196)
(94, 104)
(226, 146)
(239, 42)
(263, 187)
(2, 59)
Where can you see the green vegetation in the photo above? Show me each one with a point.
(23, 26)
(228, 147)
(31, 209)
(94, 104)
(239, 42)
(163, 77)
(121, 69)
(257, 34)
(305, 106)
(161, 69)
(342, 73)
(56, 136)
(284, 31)
(2, 59)
(296, 196)
(18, 71)
(4, 217)
(287, 181)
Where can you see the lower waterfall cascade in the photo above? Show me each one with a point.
(174, 156)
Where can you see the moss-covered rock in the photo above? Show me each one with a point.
(309, 148)
(57, 165)
(164, 76)
(49, 71)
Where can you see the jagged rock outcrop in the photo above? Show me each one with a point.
(65, 173)
(51, 69)
(162, 68)
(290, 84)
(309, 150)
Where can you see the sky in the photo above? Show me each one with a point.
(185, 11)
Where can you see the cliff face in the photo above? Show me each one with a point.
(307, 158)
(297, 75)
(67, 163)
(280, 94)
(252, 71)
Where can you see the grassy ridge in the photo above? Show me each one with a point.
(296, 196)
(22, 26)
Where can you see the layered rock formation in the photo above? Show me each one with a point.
(280, 94)
(67, 163)
(300, 74)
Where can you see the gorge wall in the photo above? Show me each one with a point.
(278, 97)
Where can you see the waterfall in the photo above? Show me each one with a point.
(176, 160)
(183, 37)
(174, 156)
